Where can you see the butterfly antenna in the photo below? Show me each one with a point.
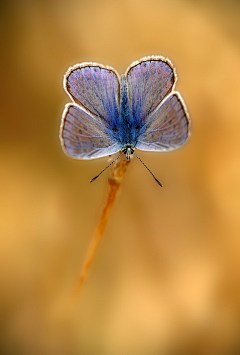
(106, 168)
(159, 183)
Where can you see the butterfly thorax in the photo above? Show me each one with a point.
(128, 149)
(126, 131)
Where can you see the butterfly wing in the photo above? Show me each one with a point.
(167, 127)
(150, 80)
(96, 88)
(83, 136)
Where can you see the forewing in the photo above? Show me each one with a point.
(150, 80)
(96, 88)
(82, 137)
(168, 126)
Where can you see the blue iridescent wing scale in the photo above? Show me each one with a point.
(88, 125)
(167, 127)
(83, 136)
(150, 80)
(95, 87)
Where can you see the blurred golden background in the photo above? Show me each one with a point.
(166, 278)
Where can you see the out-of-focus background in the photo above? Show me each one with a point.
(166, 277)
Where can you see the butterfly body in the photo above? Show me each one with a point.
(127, 125)
(140, 110)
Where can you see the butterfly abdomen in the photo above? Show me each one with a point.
(127, 131)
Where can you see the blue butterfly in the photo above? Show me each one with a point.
(111, 114)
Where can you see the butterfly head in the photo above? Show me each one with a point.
(128, 149)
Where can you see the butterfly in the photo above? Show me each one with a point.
(109, 113)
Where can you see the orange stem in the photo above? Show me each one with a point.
(114, 183)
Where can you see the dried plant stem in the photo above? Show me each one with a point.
(114, 183)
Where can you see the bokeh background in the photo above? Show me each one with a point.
(166, 278)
